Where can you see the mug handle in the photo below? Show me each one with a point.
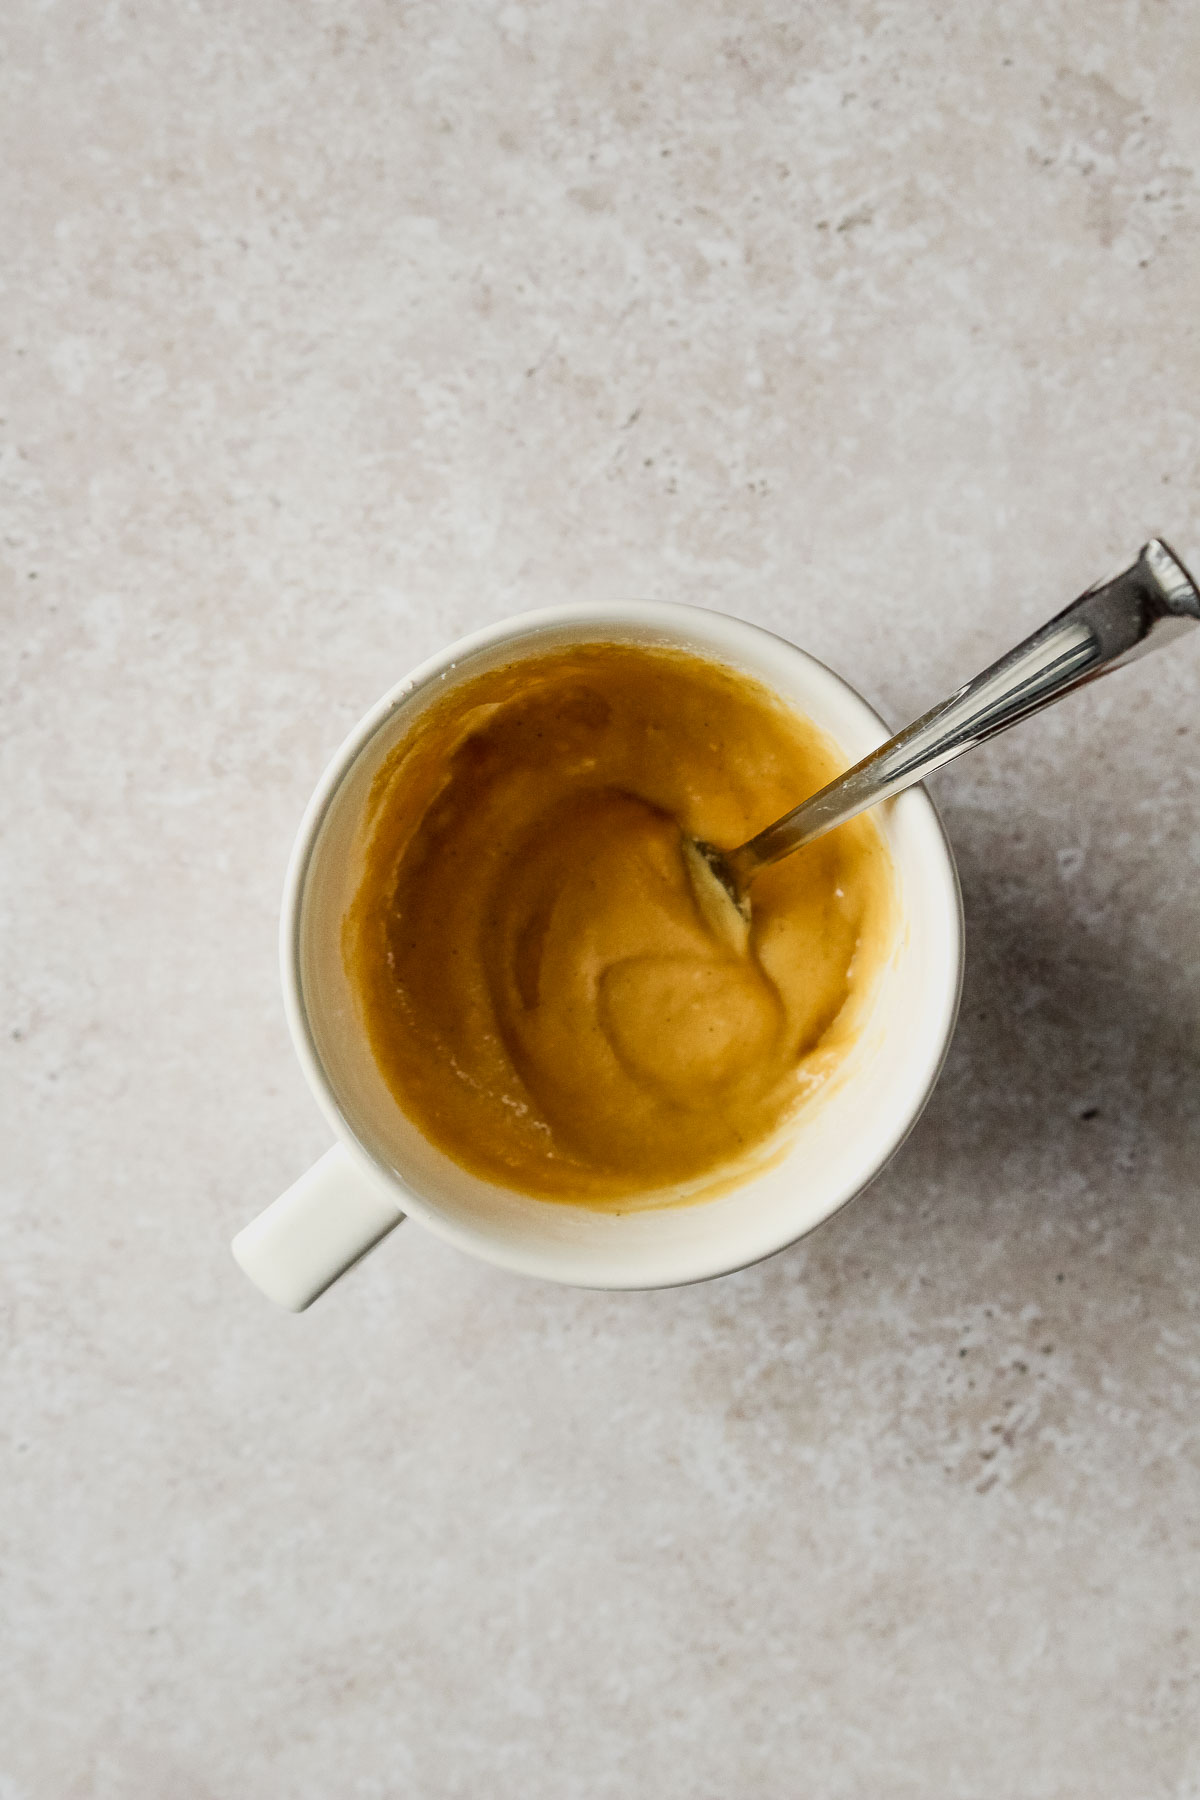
(313, 1233)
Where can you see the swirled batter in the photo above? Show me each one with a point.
(542, 992)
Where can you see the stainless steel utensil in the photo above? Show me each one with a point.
(1148, 604)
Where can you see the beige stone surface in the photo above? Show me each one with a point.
(330, 331)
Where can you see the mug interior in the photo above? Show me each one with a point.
(838, 1141)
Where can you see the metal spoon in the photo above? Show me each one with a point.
(1149, 603)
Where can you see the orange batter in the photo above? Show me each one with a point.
(541, 990)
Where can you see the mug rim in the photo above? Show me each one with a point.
(670, 617)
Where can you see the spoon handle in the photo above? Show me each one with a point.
(1112, 623)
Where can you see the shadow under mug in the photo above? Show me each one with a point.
(381, 1169)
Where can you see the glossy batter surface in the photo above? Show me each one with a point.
(540, 987)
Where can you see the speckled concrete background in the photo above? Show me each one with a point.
(331, 331)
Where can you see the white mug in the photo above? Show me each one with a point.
(381, 1169)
